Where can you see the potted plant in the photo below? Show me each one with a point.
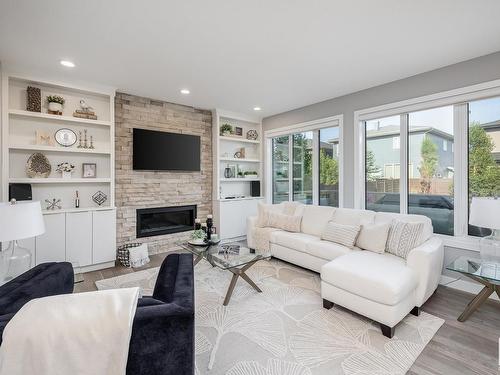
(65, 169)
(56, 103)
(226, 130)
(240, 174)
(251, 174)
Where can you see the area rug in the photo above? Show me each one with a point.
(284, 330)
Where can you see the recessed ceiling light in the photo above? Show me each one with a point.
(67, 63)
(185, 91)
(256, 108)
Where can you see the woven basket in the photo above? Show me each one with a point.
(123, 253)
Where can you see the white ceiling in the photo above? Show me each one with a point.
(236, 54)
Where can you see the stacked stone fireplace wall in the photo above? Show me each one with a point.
(145, 189)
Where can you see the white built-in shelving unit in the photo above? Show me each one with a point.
(233, 201)
(86, 235)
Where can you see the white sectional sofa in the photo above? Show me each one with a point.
(382, 287)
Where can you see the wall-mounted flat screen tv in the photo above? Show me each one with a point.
(162, 151)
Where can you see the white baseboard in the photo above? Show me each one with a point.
(94, 267)
(464, 285)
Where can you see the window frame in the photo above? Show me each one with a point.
(459, 99)
(314, 126)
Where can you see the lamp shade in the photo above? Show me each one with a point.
(20, 220)
(485, 213)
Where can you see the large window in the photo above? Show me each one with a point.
(281, 171)
(430, 183)
(302, 167)
(306, 165)
(329, 167)
(431, 156)
(484, 153)
(382, 164)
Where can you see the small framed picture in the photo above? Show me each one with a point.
(238, 131)
(89, 170)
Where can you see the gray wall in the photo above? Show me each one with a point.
(481, 69)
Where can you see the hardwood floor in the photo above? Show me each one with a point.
(457, 348)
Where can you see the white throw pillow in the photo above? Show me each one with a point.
(373, 237)
(403, 237)
(340, 233)
(290, 223)
(291, 208)
(263, 210)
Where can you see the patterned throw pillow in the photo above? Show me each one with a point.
(403, 237)
(340, 233)
(290, 223)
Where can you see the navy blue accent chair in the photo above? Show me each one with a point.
(162, 339)
(46, 279)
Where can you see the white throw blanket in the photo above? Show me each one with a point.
(72, 334)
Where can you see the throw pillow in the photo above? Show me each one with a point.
(263, 210)
(340, 233)
(373, 237)
(290, 223)
(403, 237)
(291, 208)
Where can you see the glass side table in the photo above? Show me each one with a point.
(485, 272)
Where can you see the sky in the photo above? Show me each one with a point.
(484, 111)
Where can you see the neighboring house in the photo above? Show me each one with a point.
(385, 145)
(493, 130)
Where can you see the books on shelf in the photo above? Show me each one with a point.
(85, 114)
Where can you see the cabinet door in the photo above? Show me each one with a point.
(79, 238)
(103, 236)
(51, 246)
(233, 217)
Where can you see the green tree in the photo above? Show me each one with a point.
(329, 169)
(484, 173)
(428, 164)
(371, 168)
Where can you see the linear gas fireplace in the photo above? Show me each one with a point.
(165, 220)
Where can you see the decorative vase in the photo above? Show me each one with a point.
(228, 173)
(55, 107)
(226, 133)
(66, 175)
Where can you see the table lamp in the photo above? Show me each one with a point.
(485, 213)
(18, 220)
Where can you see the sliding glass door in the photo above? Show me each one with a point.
(329, 167)
(281, 169)
(302, 167)
(306, 166)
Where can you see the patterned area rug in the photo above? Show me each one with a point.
(285, 330)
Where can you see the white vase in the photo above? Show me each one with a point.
(66, 175)
(56, 107)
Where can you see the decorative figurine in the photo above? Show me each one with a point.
(53, 204)
(84, 106)
(85, 144)
(99, 198)
(80, 139)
